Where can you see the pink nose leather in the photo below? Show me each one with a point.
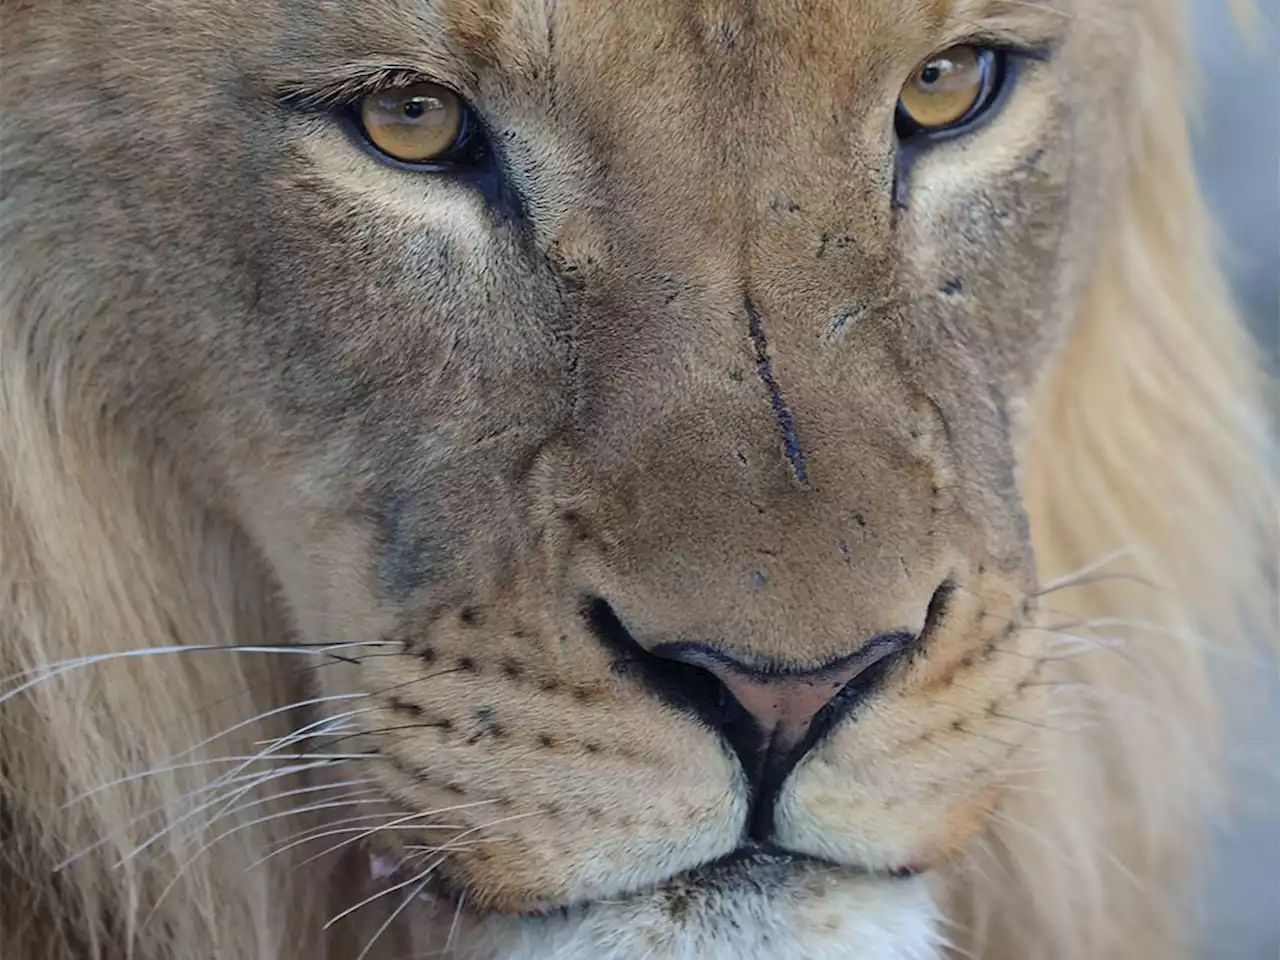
(783, 705)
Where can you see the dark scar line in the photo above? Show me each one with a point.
(765, 368)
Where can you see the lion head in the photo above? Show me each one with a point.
(535, 478)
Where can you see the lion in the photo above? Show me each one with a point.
(518, 479)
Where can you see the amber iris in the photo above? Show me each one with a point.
(946, 88)
(414, 124)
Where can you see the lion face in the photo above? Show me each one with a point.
(654, 463)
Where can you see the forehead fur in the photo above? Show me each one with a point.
(491, 31)
(462, 37)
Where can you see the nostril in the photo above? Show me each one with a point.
(936, 612)
(685, 686)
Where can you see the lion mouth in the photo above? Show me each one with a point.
(750, 866)
(748, 861)
(762, 866)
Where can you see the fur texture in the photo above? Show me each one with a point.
(388, 433)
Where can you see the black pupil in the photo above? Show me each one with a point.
(413, 109)
(931, 73)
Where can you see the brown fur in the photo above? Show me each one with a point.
(257, 388)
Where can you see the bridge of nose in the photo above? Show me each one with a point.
(778, 510)
(763, 582)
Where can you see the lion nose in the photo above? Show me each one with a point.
(784, 704)
(769, 713)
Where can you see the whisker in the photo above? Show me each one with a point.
(405, 819)
(49, 671)
(191, 764)
(274, 711)
(457, 918)
(302, 733)
(409, 898)
(339, 827)
(382, 893)
(160, 808)
(308, 808)
(200, 808)
(297, 791)
(1084, 570)
(1097, 578)
(361, 732)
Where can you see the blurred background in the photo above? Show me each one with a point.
(1237, 138)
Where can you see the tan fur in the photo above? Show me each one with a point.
(262, 390)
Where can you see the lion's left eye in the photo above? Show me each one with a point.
(950, 92)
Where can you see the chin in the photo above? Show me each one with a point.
(758, 907)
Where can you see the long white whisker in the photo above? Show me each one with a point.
(336, 831)
(158, 808)
(237, 793)
(382, 893)
(1084, 571)
(49, 671)
(326, 724)
(412, 895)
(157, 771)
(408, 818)
(311, 702)
(342, 802)
(453, 926)
(297, 791)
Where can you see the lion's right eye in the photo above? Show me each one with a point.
(952, 92)
(422, 125)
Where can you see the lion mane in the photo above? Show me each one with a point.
(1147, 490)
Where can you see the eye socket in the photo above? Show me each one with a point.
(950, 91)
(423, 125)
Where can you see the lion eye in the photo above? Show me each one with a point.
(423, 123)
(949, 91)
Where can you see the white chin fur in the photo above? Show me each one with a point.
(812, 916)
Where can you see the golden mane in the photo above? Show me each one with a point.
(1149, 486)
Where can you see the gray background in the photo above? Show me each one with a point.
(1237, 137)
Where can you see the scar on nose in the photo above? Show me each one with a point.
(780, 411)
